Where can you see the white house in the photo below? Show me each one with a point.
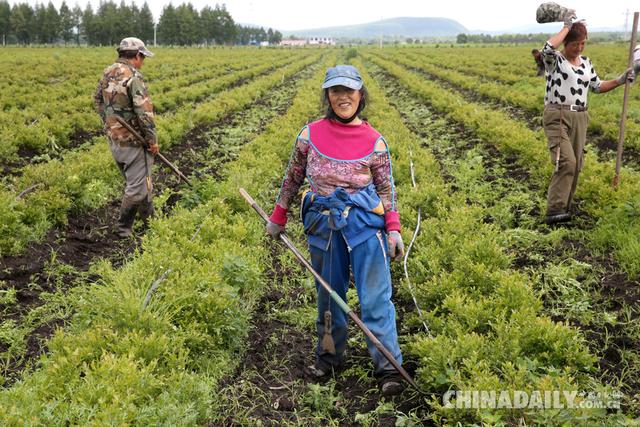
(322, 40)
(293, 42)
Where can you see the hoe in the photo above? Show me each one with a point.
(341, 303)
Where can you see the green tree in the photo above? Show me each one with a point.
(275, 37)
(67, 22)
(168, 26)
(144, 24)
(109, 24)
(77, 23)
(22, 22)
(51, 30)
(5, 20)
(212, 30)
(38, 22)
(462, 38)
(228, 25)
(188, 24)
(88, 26)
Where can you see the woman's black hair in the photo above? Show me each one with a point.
(330, 114)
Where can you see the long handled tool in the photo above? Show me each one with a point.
(162, 158)
(625, 101)
(343, 305)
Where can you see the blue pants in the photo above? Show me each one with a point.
(370, 265)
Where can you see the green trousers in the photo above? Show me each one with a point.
(566, 133)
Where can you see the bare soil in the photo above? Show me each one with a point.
(89, 236)
(616, 288)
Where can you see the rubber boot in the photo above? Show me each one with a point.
(146, 211)
(128, 210)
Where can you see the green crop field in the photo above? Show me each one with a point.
(203, 320)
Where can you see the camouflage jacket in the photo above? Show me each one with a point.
(122, 92)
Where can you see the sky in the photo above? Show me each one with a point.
(488, 15)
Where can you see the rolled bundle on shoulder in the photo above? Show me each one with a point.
(550, 12)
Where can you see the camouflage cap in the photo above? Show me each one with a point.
(134, 44)
(550, 12)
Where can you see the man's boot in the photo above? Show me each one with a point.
(146, 211)
(128, 210)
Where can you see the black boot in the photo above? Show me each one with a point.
(555, 218)
(128, 210)
(146, 211)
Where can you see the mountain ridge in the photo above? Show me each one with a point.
(393, 27)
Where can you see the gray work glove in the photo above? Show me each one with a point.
(568, 17)
(627, 75)
(274, 229)
(396, 246)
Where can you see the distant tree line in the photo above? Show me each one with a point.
(111, 22)
(540, 38)
(501, 38)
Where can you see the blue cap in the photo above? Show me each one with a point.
(343, 75)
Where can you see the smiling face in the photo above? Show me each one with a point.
(344, 101)
(574, 49)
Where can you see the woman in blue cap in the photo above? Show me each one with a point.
(350, 216)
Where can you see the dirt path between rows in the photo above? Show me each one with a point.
(270, 386)
(89, 237)
(606, 148)
(615, 291)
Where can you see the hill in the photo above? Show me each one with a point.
(394, 27)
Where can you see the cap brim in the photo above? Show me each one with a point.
(147, 53)
(343, 81)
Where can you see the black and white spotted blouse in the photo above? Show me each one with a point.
(567, 84)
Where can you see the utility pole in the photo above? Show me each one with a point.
(626, 23)
(155, 27)
(381, 32)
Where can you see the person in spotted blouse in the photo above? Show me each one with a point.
(350, 216)
(569, 76)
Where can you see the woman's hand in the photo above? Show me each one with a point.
(627, 75)
(274, 229)
(568, 17)
(396, 246)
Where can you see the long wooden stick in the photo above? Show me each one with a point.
(162, 158)
(625, 101)
(341, 303)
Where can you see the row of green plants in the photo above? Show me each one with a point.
(529, 95)
(22, 325)
(55, 68)
(615, 211)
(119, 362)
(88, 179)
(571, 283)
(487, 324)
(515, 64)
(198, 92)
(47, 118)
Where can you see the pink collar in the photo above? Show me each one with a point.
(339, 141)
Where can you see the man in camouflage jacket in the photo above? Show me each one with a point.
(122, 93)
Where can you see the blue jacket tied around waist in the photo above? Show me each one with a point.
(354, 215)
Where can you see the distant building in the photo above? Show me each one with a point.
(322, 40)
(293, 42)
